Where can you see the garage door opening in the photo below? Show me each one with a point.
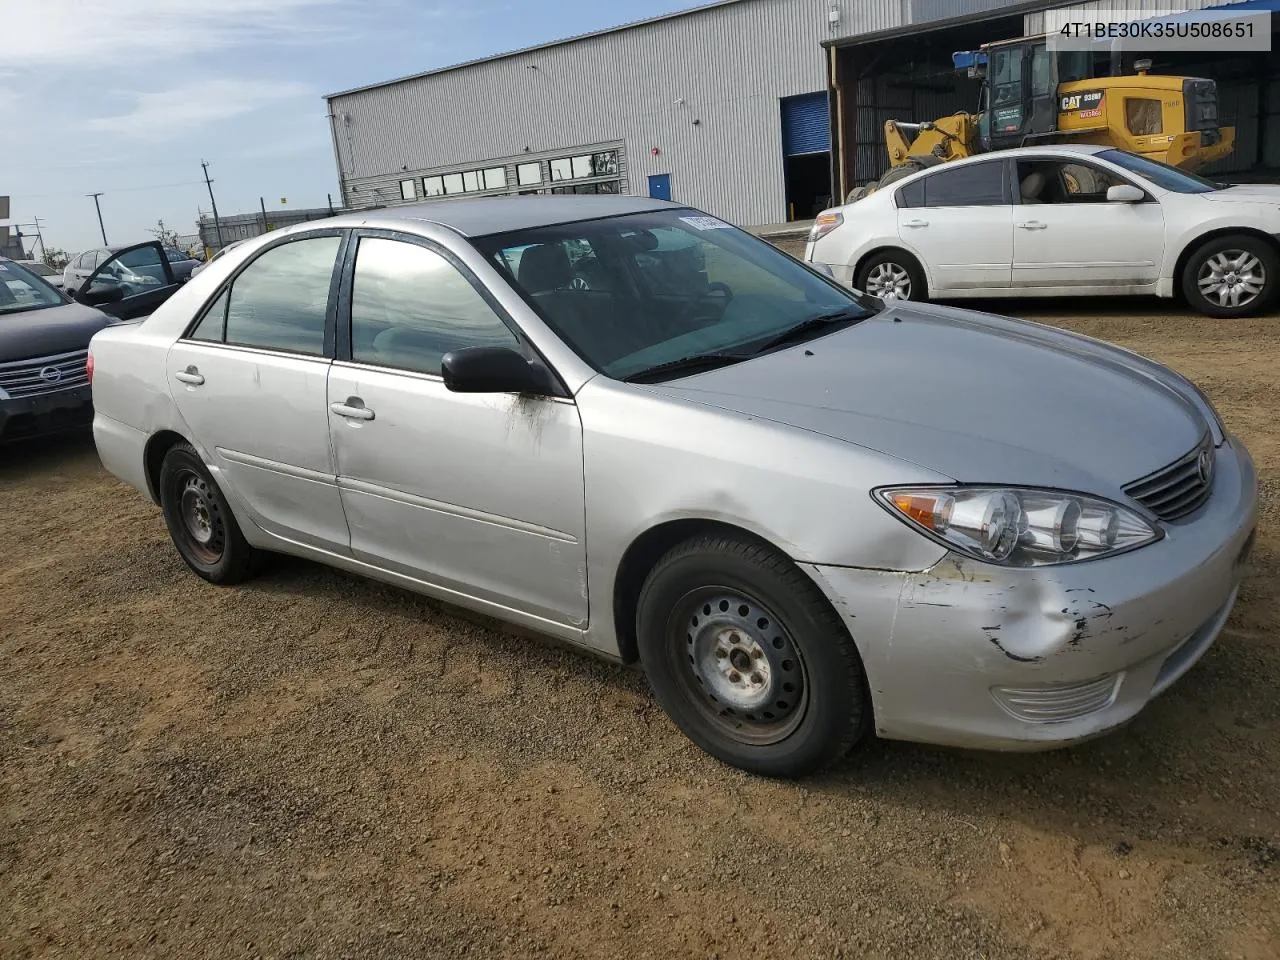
(806, 146)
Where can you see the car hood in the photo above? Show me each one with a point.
(1245, 193)
(48, 331)
(976, 398)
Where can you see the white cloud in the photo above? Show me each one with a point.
(81, 33)
(157, 116)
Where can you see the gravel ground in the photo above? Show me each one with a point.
(316, 766)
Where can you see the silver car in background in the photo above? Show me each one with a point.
(808, 514)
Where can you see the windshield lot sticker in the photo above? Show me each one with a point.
(706, 223)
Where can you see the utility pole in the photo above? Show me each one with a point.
(97, 206)
(217, 224)
(263, 205)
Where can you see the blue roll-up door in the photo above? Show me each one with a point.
(806, 124)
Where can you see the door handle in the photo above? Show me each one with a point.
(1032, 225)
(916, 223)
(190, 375)
(352, 409)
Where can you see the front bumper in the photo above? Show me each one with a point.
(46, 413)
(976, 655)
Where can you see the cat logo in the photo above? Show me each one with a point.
(1090, 100)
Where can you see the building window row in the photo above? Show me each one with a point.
(529, 176)
(468, 181)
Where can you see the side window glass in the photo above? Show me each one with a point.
(212, 325)
(1063, 182)
(912, 195)
(281, 300)
(410, 306)
(137, 271)
(968, 185)
(1143, 116)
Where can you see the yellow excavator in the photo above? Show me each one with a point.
(1034, 94)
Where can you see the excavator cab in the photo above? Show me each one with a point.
(1020, 88)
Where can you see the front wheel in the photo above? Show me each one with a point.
(891, 275)
(1231, 276)
(748, 659)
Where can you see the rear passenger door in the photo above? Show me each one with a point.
(476, 494)
(958, 220)
(250, 380)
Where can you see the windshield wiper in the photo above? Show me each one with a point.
(698, 361)
(805, 329)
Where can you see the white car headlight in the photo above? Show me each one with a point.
(1018, 527)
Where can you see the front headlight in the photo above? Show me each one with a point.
(1018, 527)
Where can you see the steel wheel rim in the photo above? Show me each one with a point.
(203, 526)
(889, 281)
(1232, 278)
(738, 665)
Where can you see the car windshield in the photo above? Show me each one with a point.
(666, 289)
(22, 290)
(1161, 174)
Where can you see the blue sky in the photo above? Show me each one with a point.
(128, 96)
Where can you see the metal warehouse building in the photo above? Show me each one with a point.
(760, 111)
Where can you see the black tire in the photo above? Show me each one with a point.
(880, 268)
(1210, 281)
(894, 174)
(200, 522)
(799, 698)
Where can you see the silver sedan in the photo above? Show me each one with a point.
(808, 514)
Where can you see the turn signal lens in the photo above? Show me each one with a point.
(824, 223)
(88, 367)
(1019, 527)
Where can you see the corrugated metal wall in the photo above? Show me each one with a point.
(725, 67)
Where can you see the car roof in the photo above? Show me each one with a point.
(481, 216)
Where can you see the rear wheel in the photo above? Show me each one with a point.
(748, 658)
(891, 275)
(1231, 276)
(200, 522)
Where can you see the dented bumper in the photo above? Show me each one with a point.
(977, 655)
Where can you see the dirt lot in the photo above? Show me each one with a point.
(316, 766)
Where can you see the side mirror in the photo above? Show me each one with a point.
(1124, 193)
(99, 293)
(494, 370)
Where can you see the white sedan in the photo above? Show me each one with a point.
(1058, 221)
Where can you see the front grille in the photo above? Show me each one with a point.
(1057, 702)
(1179, 489)
(38, 375)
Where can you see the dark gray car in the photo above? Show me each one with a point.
(44, 344)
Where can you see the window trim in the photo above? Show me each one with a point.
(330, 318)
(343, 353)
(411, 187)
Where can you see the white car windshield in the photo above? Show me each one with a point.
(21, 290)
(1161, 174)
(667, 290)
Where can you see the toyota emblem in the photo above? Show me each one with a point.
(50, 374)
(1204, 467)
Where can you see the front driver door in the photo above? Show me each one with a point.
(1067, 234)
(478, 495)
(130, 283)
